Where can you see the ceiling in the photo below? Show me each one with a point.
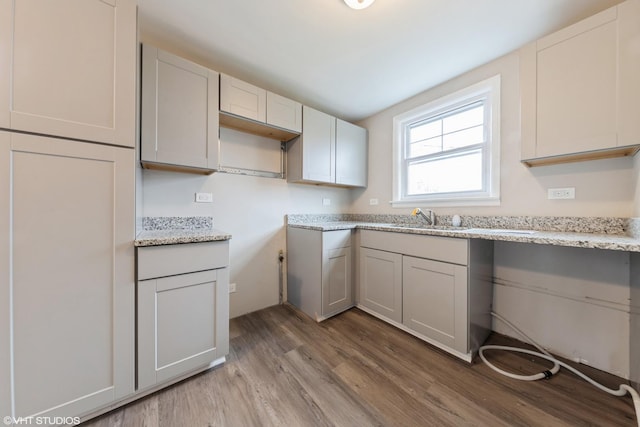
(346, 62)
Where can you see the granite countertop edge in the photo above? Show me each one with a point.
(555, 238)
(178, 236)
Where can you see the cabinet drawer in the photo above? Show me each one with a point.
(447, 249)
(169, 260)
(336, 239)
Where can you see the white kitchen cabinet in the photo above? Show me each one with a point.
(179, 125)
(329, 151)
(381, 283)
(68, 76)
(436, 288)
(435, 300)
(251, 109)
(183, 309)
(242, 99)
(67, 275)
(284, 112)
(580, 92)
(319, 271)
(351, 154)
(312, 156)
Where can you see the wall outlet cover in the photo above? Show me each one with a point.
(204, 197)
(561, 193)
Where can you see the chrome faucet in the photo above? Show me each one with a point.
(431, 218)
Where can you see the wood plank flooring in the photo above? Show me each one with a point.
(354, 370)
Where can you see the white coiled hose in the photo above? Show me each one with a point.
(542, 353)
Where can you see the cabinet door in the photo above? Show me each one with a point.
(628, 72)
(319, 146)
(284, 112)
(381, 283)
(242, 99)
(435, 301)
(68, 69)
(6, 19)
(578, 93)
(70, 247)
(182, 324)
(5, 263)
(179, 112)
(337, 283)
(351, 154)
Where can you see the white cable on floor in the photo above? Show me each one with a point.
(542, 353)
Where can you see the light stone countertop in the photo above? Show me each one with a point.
(172, 237)
(615, 242)
(177, 230)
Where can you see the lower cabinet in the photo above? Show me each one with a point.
(435, 300)
(436, 288)
(381, 282)
(183, 309)
(67, 287)
(319, 271)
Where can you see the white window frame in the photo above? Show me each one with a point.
(488, 90)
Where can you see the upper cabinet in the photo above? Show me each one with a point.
(248, 108)
(179, 114)
(312, 156)
(184, 105)
(69, 77)
(284, 112)
(329, 151)
(351, 154)
(580, 90)
(242, 99)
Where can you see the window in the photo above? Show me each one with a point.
(447, 152)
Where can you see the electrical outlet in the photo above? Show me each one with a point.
(204, 198)
(561, 193)
(373, 202)
(326, 201)
(232, 288)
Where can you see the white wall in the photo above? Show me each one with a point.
(603, 187)
(252, 209)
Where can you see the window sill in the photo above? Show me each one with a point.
(445, 202)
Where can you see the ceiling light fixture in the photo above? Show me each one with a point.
(359, 4)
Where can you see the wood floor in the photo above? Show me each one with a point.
(354, 370)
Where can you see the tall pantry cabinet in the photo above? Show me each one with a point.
(67, 132)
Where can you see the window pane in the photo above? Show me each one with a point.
(422, 148)
(466, 119)
(425, 130)
(463, 138)
(448, 175)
